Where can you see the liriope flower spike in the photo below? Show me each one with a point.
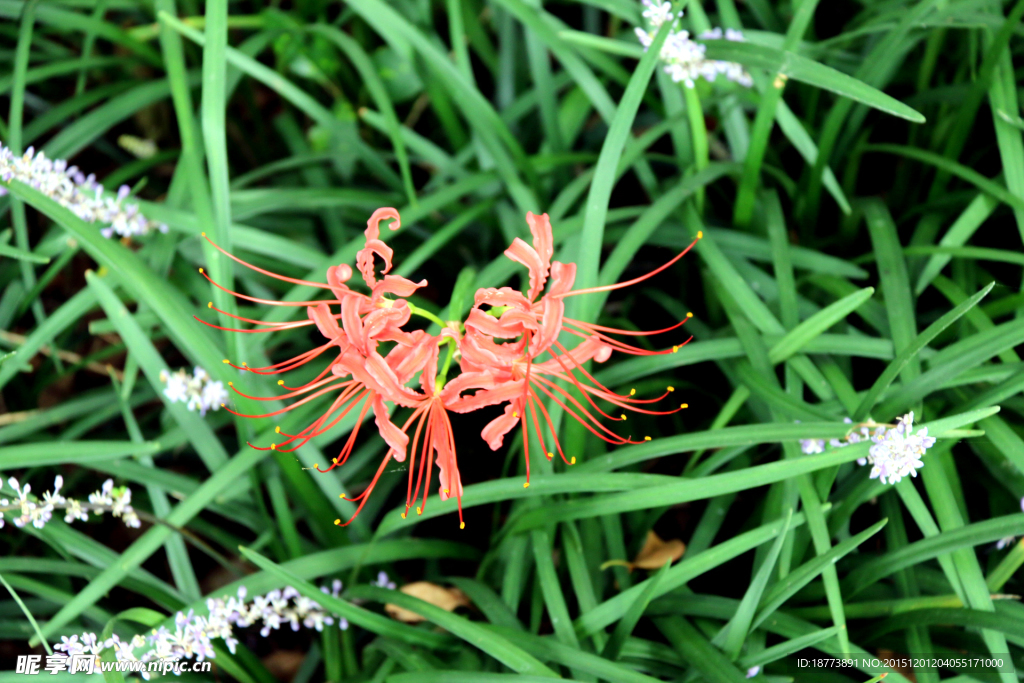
(70, 188)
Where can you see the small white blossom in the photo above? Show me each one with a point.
(383, 581)
(896, 451)
(812, 446)
(684, 59)
(70, 188)
(197, 391)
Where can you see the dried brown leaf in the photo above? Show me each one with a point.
(445, 598)
(657, 552)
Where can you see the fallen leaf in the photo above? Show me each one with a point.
(445, 598)
(657, 552)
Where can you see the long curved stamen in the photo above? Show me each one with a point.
(254, 321)
(589, 422)
(283, 410)
(628, 283)
(268, 302)
(278, 368)
(318, 428)
(284, 278)
(364, 496)
(238, 329)
(290, 394)
(632, 333)
(350, 443)
(418, 416)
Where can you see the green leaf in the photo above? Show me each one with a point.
(799, 68)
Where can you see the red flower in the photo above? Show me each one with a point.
(503, 345)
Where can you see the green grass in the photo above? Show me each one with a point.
(862, 208)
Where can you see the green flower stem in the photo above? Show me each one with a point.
(423, 313)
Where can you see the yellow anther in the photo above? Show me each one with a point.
(462, 525)
(623, 416)
(231, 384)
(342, 496)
(203, 234)
(550, 455)
(674, 349)
(526, 484)
(316, 465)
(632, 392)
(689, 315)
(221, 405)
(209, 305)
(337, 522)
(226, 361)
(647, 438)
(277, 430)
(684, 405)
(671, 389)
(200, 270)
(403, 515)
(447, 491)
(334, 460)
(273, 447)
(419, 510)
(572, 461)
(515, 414)
(244, 364)
(700, 234)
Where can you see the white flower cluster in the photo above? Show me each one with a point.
(684, 59)
(193, 635)
(896, 451)
(81, 193)
(38, 513)
(197, 390)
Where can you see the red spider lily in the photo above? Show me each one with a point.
(359, 375)
(501, 359)
(509, 372)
